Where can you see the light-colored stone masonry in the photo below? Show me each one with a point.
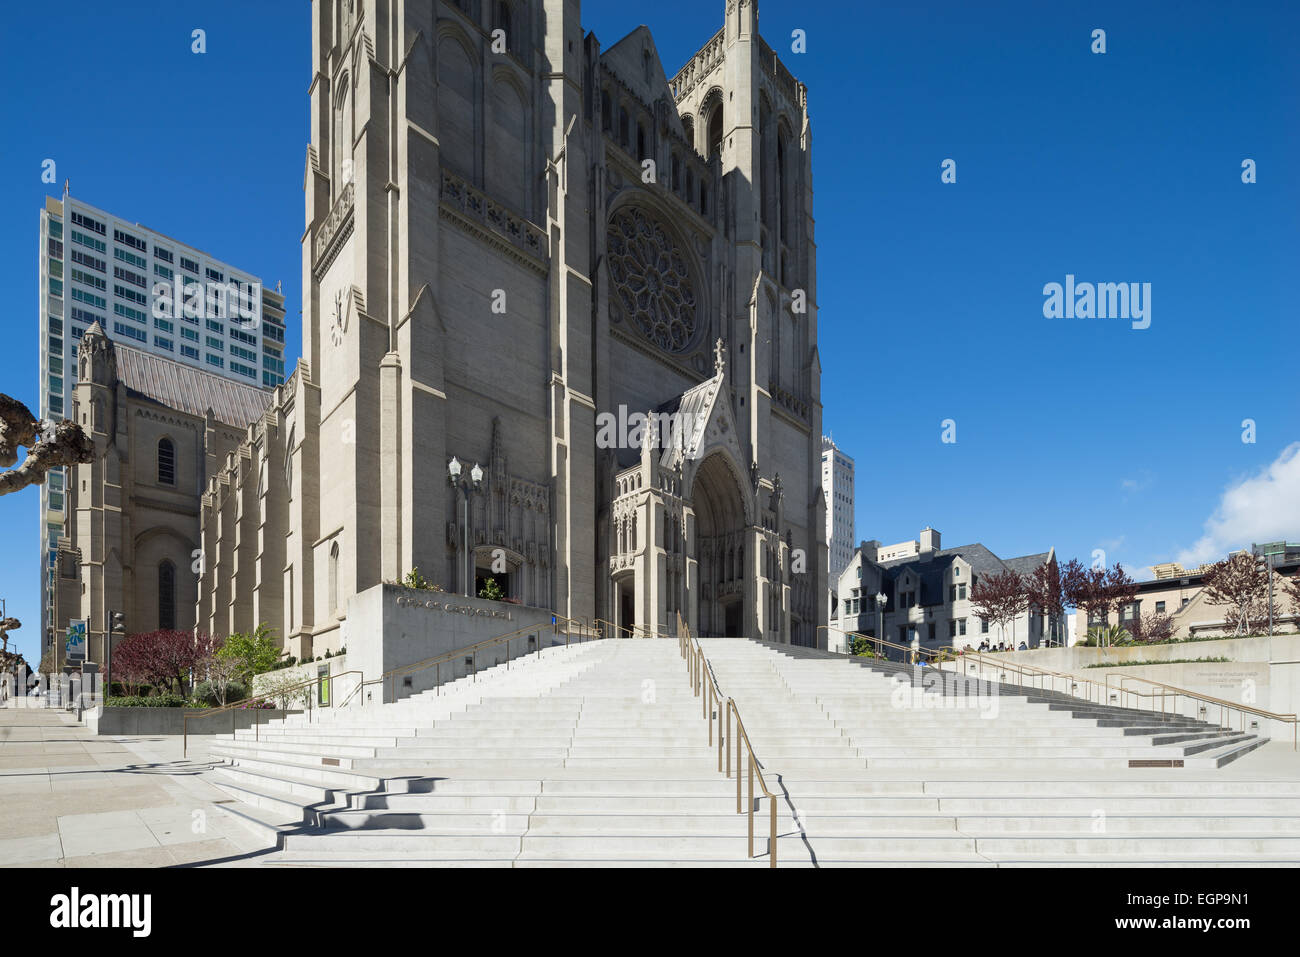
(487, 269)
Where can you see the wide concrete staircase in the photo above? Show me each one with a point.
(885, 765)
(595, 754)
(598, 755)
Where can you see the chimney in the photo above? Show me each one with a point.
(929, 541)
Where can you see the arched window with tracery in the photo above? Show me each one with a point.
(166, 462)
(166, 595)
(715, 132)
(334, 577)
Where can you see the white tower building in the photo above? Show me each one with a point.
(837, 486)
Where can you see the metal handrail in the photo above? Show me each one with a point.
(704, 685)
(1167, 690)
(937, 654)
(242, 705)
(1223, 704)
(437, 661)
(640, 631)
(1021, 669)
(1103, 691)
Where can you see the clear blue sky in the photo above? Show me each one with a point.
(1122, 167)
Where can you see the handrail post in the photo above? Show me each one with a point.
(720, 764)
(738, 774)
(751, 801)
(708, 713)
(727, 765)
(771, 802)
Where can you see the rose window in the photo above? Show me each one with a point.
(652, 285)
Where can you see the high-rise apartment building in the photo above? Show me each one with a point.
(837, 485)
(145, 290)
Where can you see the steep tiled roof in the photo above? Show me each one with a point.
(931, 569)
(1025, 564)
(187, 389)
(981, 560)
(930, 572)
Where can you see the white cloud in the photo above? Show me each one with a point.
(1139, 483)
(1260, 508)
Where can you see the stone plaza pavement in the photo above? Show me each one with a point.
(69, 798)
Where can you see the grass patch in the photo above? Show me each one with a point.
(1171, 661)
(1088, 643)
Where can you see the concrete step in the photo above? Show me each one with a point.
(571, 768)
(1109, 803)
(1220, 756)
(337, 858)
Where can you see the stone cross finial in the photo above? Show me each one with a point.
(719, 357)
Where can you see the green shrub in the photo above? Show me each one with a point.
(862, 646)
(414, 579)
(253, 654)
(1107, 635)
(205, 697)
(167, 700)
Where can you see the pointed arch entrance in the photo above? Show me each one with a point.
(720, 547)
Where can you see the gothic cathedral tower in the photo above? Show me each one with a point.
(487, 273)
(447, 299)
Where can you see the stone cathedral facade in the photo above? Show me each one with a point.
(514, 238)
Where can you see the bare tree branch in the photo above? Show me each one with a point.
(49, 445)
(1292, 586)
(7, 625)
(17, 428)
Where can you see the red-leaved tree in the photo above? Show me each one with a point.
(1099, 591)
(1046, 589)
(1239, 583)
(1156, 626)
(164, 659)
(1001, 598)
